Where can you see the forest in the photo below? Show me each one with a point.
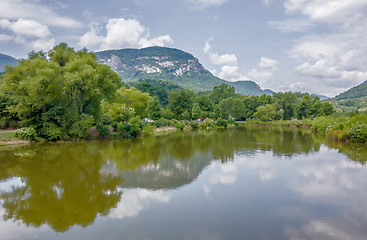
(62, 94)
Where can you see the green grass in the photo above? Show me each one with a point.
(7, 136)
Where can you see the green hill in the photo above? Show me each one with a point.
(170, 64)
(6, 60)
(352, 99)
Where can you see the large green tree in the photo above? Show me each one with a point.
(180, 101)
(59, 93)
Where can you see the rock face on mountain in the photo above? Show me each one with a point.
(169, 64)
(7, 60)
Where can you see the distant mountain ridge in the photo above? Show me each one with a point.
(7, 60)
(352, 99)
(355, 92)
(169, 64)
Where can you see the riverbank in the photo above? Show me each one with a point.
(349, 128)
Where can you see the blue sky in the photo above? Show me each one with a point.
(316, 46)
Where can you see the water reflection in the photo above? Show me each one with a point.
(69, 184)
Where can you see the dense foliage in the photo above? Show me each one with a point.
(57, 94)
(63, 93)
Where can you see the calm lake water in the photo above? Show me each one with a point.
(242, 183)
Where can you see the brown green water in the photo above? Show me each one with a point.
(242, 183)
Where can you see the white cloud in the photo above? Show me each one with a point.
(203, 4)
(231, 73)
(335, 11)
(225, 59)
(229, 69)
(122, 33)
(28, 33)
(24, 27)
(268, 63)
(33, 9)
(265, 76)
(335, 58)
(291, 25)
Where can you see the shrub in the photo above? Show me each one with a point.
(180, 125)
(80, 128)
(161, 122)
(358, 134)
(52, 132)
(207, 124)
(103, 130)
(221, 122)
(194, 124)
(148, 130)
(28, 133)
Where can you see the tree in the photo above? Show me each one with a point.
(221, 92)
(196, 111)
(180, 101)
(251, 103)
(265, 113)
(60, 94)
(153, 109)
(238, 109)
(304, 107)
(327, 108)
(226, 107)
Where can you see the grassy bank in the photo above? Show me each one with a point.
(350, 128)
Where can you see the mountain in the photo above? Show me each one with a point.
(7, 60)
(355, 92)
(322, 97)
(169, 64)
(249, 88)
(352, 99)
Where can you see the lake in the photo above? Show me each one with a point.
(239, 183)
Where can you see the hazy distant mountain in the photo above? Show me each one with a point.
(322, 97)
(169, 64)
(7, 60)
(352, 99)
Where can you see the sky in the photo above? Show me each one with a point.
(315, 46)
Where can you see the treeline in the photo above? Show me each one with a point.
(63, 93)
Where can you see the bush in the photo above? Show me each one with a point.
(103, 130)
(52, 132)
(221, 122)
(358, 134)
(80, 128)
(180, 125)
(26, 133)
(207, 124)
(194, 124)
(161, 122)
(148, 130)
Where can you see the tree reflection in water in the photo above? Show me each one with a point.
(66, 184)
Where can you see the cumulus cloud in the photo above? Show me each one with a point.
(27, 32)
(203, 4)
(335, 11)
(33, 9)
(265, 75)
(121, 33)
(229, 69)
(268, 63)
(26, 28)
(335, 58)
